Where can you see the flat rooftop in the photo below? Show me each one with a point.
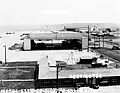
(55, 35)
(16, 55)
(66, 73)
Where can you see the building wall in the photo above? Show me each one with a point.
(27, 44)
(43, 66)
(84, 43)
(83, 82)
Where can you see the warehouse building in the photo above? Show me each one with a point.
(52, 77)
(55, 40)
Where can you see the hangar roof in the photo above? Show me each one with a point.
(55, 35)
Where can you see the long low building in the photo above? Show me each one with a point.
(73, 76)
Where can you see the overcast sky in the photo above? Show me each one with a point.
(35, 12)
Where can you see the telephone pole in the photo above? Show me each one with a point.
(57, 76)
(5, 53)
(88, 36)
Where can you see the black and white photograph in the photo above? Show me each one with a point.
(59, 46)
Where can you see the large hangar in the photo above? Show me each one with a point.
(55, 40)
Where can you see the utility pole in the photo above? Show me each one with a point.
(103, 40)
(64, 27)
(5, 53)
(55, 35)
(2, 84)
(88, 37)
(99, 41)
(57, 77)
(94, 41)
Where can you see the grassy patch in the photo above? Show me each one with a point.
(16, 85)
(21, 73)
(17, 73)
(31, 63)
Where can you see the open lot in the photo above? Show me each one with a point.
(17, 85)
(21, 71)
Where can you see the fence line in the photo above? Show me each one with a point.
(9, 80)
(42, 91)
(17, 67)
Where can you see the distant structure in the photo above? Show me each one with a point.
(76, 29)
